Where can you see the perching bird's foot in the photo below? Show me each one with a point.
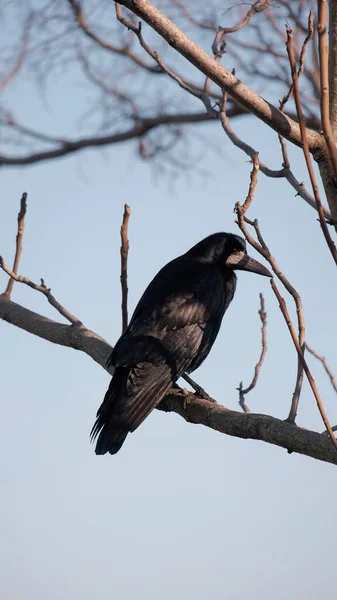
(197, 388)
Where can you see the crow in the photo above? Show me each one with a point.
(171, 332)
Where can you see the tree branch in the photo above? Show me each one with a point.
(124, 265)
(325, 365)
(252, 426)
(136, 131)
(306, 149)
(72, 336)
(192, 409)
(243, 392)
(19, 238)
(246, 97)
(324, 84)
(310, 378)
(332, 62)
(43, 289)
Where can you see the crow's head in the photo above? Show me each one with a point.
(228, 250)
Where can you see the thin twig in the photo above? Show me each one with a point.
(21, 57)
(305, 144)
(325, 365)
(285, 172)
(124, 265)
(243, 392)
(311, 380)
(164, 68)
(252, 184)
(19, 238)
(290, 92)
(44, 290)
(257, 7)
(263, 249)
(324, 81)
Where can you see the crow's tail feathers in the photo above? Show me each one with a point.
(110, 435)
(131, 396)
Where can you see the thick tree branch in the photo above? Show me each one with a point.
(72, 336)
(252, 426)
(191, 408)
(246, 97)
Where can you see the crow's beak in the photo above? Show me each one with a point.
(243, 262)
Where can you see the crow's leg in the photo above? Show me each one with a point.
(197, 388)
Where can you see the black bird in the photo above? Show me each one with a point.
(171, 332)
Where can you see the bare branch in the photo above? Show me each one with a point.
(325, 365)
(219, 75)
(324, 81)
(253, 426)
(285, 172)
(44, 290)
(243, 392)
(310, 378)
(72, 336)
(181, 82)
(332, 63)
(305, 145)
(20, 59)
(123, 51)
(253, 182)
(263, 249)
(257, 7)
(19, 238)
(124, 265)
(136, 131)
(194, 409)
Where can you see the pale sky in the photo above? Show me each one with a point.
(181, 511)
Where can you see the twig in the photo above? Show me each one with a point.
(21, 57)
(305, 145)
(311, 380)
(285, 172)
(203, 96)
(44, 290)
(123, 51)
(263, 249)
(290, 92)
(258, 6)
(243, 392)
(324, 81)
(124, 265)
(325, 365)
(252, 184)
(307, 39)
(19, 238)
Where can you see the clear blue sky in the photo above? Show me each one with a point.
(181, 511)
